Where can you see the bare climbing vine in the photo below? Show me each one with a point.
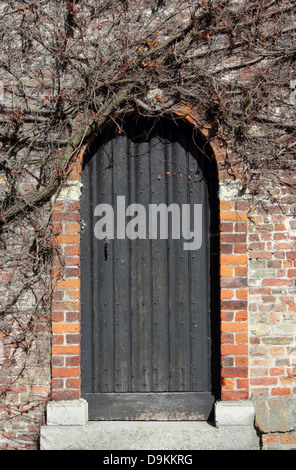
(69, 67)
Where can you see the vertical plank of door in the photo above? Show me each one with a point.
(180, 367)
(103, 290)
(87, 291)
(159, 273)
(140, 274)
(121, 284)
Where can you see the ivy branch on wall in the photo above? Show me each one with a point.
(68, 66)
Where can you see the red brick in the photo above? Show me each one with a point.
(67, 239)
(227, 316)
(288, 438)
(73, 316)
(225, 205)
(73, 361)
(242, 383)
(73, 206)
(233, 260)
(57, 316)
(280, 227)
(65, 306)
(270, 438)
(240, 227)
(227, 361)
(73, 338)
(241, 338)
(72, 227)
(72, 250)
(233, 304)
(226, 271)
(226, 249)
(73, 383)
(226, 294)
(58, 361)
(235, 349)
(72, 260)
(65, 395)
(234, 326)
(276, 371)
(242, 294)
(277, 282)
(57, 339)
(234, 282)
(226, 227)
(233, 238)
(260, 255)
(57, 227)
(65, 217)
(281, 391)
(241, 205)
(227, 384)
(63, 372)
(241, 270)
(233, 215)
(58, 206)
(227, 338)
(57, 383)
(242, 361)
(72, 272)
(235, 395)
(59, 350)
(234, 372)
(240, 248)
(263, 381)
(57, 295)
(65, 327)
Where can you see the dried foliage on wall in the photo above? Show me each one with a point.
(69, 67)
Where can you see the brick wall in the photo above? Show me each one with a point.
(258, 329)
(234, 300)
(66, 303)
(66, 290)
(257, 267)
(272, 304)
(272, 261)
(24, 341)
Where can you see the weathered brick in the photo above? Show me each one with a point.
(64, 372)
(234, 326)
(234, 372)
(233, 260)
(69, 283)
(67, 239)
(226, 294)
(65, 328)
(235, 349)
(65, 350)
(72, 227)
(281, 391)
(226, 271)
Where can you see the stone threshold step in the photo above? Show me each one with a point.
(150, 435)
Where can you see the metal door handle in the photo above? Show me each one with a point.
(82, 225)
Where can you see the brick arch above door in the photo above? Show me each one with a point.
(66, 278)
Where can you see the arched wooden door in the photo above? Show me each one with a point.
(146, 275)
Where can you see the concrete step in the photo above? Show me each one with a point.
(150, 435)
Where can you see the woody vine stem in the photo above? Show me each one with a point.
(68, 68)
